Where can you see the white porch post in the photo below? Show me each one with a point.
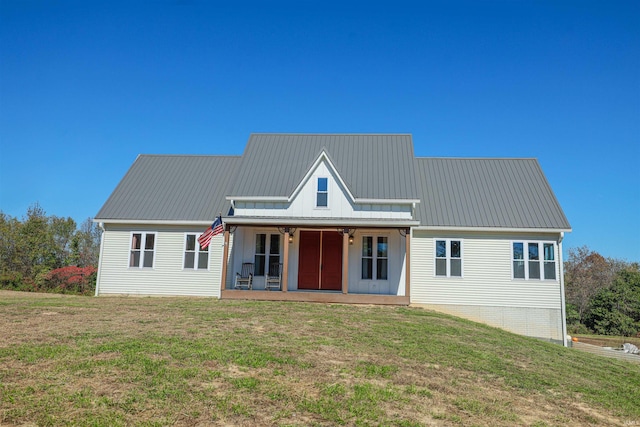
(225, 257)
(285, 262)
(345, 263)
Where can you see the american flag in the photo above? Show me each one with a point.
(215, 229)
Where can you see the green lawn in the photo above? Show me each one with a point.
(110, 361)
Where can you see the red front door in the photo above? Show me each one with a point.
(320, 260)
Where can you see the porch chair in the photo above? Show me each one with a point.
(244, 279)
(273, 280)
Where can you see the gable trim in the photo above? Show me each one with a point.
(323, 155)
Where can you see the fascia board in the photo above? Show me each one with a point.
(387, 201)
(257, 199)
(152, 222)
(494, 229)
(319, 222)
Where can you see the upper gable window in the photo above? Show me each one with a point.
(322, 196)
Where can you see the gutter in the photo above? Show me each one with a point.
(101, 226)
(563, 307)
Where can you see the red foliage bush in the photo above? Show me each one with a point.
(71, 279)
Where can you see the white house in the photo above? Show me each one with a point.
(347, 219)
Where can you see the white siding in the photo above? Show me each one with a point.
(339, 206)
(487, 292)
(167, 277)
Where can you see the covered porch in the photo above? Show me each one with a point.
(352, 262)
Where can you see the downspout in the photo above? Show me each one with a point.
(563, 310)
(101, 225)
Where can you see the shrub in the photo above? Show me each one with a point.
(71, 279)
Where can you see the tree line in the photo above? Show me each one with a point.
(602, 294)
(48, 253)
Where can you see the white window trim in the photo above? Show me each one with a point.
(197, 254)
(541, 261)
(448, 257)
(318, 192)
(374, 258)
(143, 239)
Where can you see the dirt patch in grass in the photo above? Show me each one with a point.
(192, 361)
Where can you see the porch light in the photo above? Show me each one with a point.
(349, 231)
(291, 230)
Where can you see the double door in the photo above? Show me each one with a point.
(320, 260)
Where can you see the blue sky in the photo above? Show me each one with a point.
(87, 86)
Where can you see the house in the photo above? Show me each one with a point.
(345, 219)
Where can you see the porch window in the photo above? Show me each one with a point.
(367, 258)
(142, 250)
(534, 260)
(195, 257)
(448, 258)
(322, 196)
(378, 258)
(262, 256)
(382, 260)
(274, 250)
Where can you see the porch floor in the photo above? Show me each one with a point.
(314, 296)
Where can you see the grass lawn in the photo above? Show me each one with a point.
(112, 361)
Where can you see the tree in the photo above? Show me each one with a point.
(32, 248)
(616, 310)
(85, 245)
(586, 273)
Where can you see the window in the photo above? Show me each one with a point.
(261, 252)
(448, 258)
(382, 260)
(379, 258)
(194, 256)
(322, 197)
(142, 250)
(527, 263)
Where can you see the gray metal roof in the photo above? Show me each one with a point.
(172, 188)
(376, 166)
(501, 193)
(497, 193)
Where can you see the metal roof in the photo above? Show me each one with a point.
(500, 193)
(488, 193)
(172, 188)
(373, 166)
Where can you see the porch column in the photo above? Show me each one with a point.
(407, 249)
(345, 262)
(285, 262)
(225, 259)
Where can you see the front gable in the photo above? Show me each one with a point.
(322, 193)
